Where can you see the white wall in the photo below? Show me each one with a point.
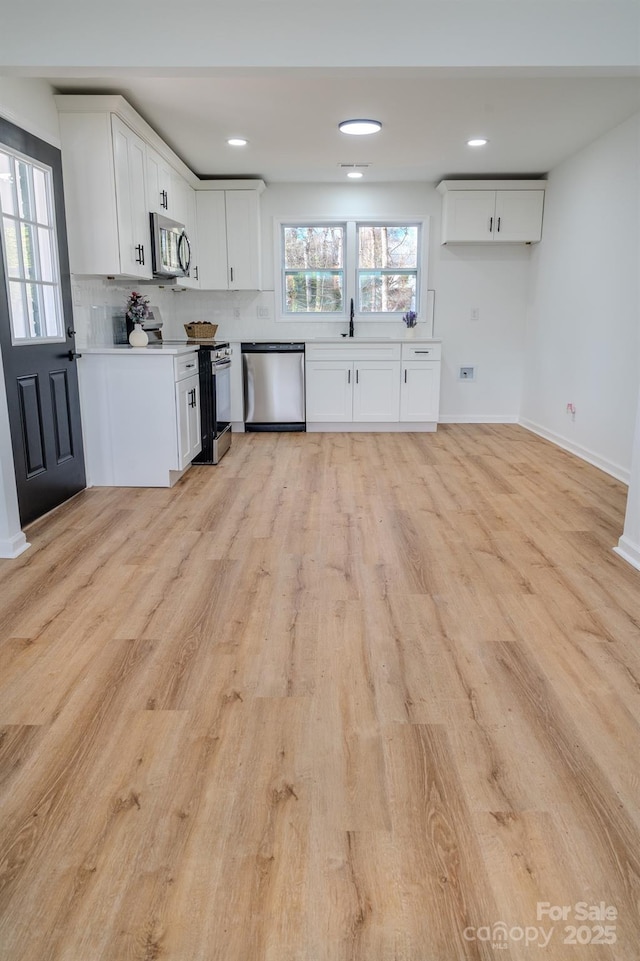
(582, 344)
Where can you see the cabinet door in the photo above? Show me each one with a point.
(329, 391)
(518, 217)
(212, 239)
(160, 199)
(243, 239)
(129, 153)
(376, 392)
(468, 215)
(420, 391)
(188, 413)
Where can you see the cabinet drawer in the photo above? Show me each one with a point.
(186, 365)
(421, 351)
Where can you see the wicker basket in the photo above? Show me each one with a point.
(203, 330)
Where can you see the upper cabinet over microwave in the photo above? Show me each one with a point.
(105, 165)
(492, 211)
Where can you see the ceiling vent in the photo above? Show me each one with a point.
(354, 166)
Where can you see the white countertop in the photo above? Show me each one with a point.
(152, 350)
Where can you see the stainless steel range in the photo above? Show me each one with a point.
(214, 368)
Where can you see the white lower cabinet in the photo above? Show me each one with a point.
(329, 390)
(376, 391)
(140, 415)
(381, 386)
(188, 409)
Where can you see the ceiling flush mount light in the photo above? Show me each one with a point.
(359, 128)
(477, 142)
(237, 142)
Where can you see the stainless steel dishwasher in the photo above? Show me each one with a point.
(273, 386)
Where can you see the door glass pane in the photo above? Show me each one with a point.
(319, 247)
(51, 308)
(25, 206)
(314, 291)
(386, 292)
(11, 247)
(7, 202)
(387, 246)
(29, 251)
(18, 312)
(40, 191)
(34, 308)
(45, 239)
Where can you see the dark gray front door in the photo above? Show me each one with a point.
(36, 325)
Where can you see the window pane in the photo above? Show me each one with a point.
(319, 248)
(7, 202)
(29, 251)
(18, 313)
(34, 308)
(387, 247)
(11, 247)
(51, 307)
(40, 191)
(45, 238)
(381, 293)
(313, 292)
(24, 193)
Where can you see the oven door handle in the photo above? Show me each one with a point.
(221, 364)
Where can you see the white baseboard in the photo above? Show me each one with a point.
(615, 470)
(11, 547)
(628, 551)
(367, 427)
(478, 419)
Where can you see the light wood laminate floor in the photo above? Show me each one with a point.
(347, 697)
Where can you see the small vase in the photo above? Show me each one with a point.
(411, 331)
(138, 336)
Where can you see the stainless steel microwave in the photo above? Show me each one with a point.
(170, 248)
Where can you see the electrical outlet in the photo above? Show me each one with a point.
(475, 313)
(262, 313)
(467, 373)
(236, 313)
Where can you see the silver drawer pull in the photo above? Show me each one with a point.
(422, 351)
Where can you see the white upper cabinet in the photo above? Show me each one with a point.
(228, 225)
(505, 212)
(131, 201)
(116, 172)
(160, 196)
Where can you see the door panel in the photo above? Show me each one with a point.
(31, 423)
(40, 374)
(59, 382)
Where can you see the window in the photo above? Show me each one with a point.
(313, 258)
(387, 268)
(378, 263)
(29, 240)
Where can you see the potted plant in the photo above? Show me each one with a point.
(135, 312)
(410, 319)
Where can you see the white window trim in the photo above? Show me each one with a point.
(425, 311)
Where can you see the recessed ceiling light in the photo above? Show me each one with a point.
(237, 142)
(355, 174)
(359, 127)
(477, 142)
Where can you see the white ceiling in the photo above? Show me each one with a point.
(290, 118)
